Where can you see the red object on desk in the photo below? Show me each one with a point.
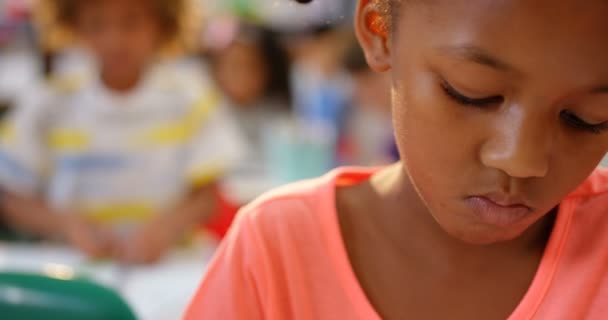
(223, 217)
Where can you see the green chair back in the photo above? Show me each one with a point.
(33, 297)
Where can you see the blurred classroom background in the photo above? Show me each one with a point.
(291, 76)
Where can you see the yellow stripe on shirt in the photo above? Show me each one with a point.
(7, 133)
(182, 130)
(67, 83)
(125, 212)
(205, 175)
(68, 140)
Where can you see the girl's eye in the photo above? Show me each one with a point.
(568, 117)
(574, 121)
(468, 101)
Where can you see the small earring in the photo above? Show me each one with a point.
(376, 23)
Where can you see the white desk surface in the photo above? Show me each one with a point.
(158, 292)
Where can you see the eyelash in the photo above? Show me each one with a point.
(578, 123)
(568, 117)
(467, 101)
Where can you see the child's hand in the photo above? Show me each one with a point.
(92, 239)
(149, 243)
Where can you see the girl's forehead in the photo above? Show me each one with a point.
(523, 34)
(517, 11)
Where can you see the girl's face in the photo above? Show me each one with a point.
(241, 73)
(500, 107)
(123, 35)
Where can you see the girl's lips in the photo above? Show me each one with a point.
(498, 210)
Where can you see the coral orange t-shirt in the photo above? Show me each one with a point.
(285, 259)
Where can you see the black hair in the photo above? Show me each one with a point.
(354, 59)
(277, 60)
(169, 12)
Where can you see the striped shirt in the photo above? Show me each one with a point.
(119, 158)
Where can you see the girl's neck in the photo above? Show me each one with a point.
(407, 223)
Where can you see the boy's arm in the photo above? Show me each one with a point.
(154, 239)
(31, 216)
(34, 217)
(196, 208)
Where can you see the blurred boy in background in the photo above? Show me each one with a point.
(122, 162)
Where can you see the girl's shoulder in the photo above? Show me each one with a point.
(290, 204)
(304, 208)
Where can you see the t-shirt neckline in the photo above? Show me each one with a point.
(527, 307)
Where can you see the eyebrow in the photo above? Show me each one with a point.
(477, 55)
(480, 56)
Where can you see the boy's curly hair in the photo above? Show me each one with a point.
(56, 20)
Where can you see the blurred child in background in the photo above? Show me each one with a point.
(253, 72)
(122, 162)
(251, 67)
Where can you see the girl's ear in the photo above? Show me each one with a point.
(371, 27)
